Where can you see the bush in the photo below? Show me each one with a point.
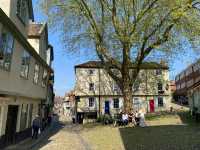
(105, 119)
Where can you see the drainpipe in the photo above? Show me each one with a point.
(99, 93)
(146, 90)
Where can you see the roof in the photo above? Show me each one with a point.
(145, 65)
(36, 29)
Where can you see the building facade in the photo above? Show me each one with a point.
(25, 75)
(69, 104)
(97, 93)
(188, 86)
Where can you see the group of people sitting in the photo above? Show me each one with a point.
(136, 118)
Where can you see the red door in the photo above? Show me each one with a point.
(151, 104)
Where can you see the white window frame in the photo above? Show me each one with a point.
(114, 103)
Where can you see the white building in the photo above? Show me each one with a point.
(69, 104)
(98, 93)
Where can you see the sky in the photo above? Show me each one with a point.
(63, 64)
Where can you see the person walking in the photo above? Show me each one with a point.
(36, 127)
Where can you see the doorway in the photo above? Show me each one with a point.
(107, 107)
(151, 105)
(11, 124)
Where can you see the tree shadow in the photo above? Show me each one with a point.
(187, 118)
(168, 137)
(45, 140)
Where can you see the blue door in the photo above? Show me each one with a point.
(107, 107)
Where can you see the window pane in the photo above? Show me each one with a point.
(25, 64)
(22, 10)
(160, 101)
(44, 78)
(30, 115)
(91, 102)
(36, 73)
(6, 48)
(23, 120)
(116, 103)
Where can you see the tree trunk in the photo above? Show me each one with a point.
(128, 99)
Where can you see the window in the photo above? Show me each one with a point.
(160, 87)
(91, 102)
(23, 120)
(44, 78)
(25, 64)
(91, 86)
(6, 49)
(115, 87)
(36, 73)
(136, 86)
(158, 72)
(22, 10)
(90, 71)
(136, 104)
(116, 103)
(30, 115)
(160, 102)
(177, 78)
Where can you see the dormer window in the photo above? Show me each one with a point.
(22, 10)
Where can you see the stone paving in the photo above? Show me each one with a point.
(67, 138)
(61, 135)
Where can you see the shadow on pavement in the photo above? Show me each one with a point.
(56, 127)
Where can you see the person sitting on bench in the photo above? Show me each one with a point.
(137, 118)
(125, 118)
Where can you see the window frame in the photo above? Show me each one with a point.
(91, 89)
(25, 54)
(44, 81)
(23, 117)
(91, 100)
(20, 6)
(6, 47)
(38, 73)
(158, 72)
(160, 104)
(116, 103)
(91, 72)
(158, 84)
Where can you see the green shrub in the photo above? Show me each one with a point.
(105, 119)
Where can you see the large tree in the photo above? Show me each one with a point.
(125, 32)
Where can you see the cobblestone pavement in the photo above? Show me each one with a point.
(64, 136)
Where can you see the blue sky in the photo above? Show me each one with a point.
(64, 64)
